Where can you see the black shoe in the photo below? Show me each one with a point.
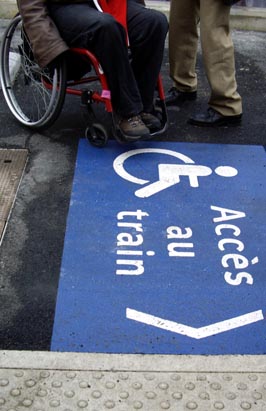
(211, 118)
(175, 97)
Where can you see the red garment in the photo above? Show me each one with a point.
(117, 8)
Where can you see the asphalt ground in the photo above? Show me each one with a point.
(31, 252)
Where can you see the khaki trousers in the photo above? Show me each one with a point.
(217, 51)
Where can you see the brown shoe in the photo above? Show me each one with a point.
(150, 121)
(133, 128)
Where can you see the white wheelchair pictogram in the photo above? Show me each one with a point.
(168, 174)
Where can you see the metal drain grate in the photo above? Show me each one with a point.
(12, 164)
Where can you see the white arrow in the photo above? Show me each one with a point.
(192, 332)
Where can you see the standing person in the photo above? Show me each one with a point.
(225, 105)
(55, 25)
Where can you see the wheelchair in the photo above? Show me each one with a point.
(35, 95)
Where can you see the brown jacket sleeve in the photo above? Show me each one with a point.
(41, 30)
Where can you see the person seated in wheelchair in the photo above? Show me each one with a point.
(53, 26)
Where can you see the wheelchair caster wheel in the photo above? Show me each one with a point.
(96, 134)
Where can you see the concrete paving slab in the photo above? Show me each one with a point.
(70, 381)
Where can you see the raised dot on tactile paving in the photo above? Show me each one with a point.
(230, 395)
(227, 377)
(163, 386)
(257, 395)
(124, 395)
(96, 394)
(41, 393)
(149, 377)
(253, 377)
(110, 385)
(150, 395)
(190, 386)
(97, 375)
(109, 404)
(123, 376)
(30, 383)
(137, 405)
(54, 403)
(27, 402)
(204, 396)
(216, 386)
(56, 384)
(175, 377)
(69, 394)
(245, 405)
(241, 386)
(177, 395)
(15, 392)
(165, 405)
(201, 377)
(218, 405)
(83, 384)
(192, 405)
(71, 375)
(44, 374)
(4, 382)
(82, 404)
(137, 385)
(19, 374)
(2, 401)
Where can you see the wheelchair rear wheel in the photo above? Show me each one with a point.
(34, 95)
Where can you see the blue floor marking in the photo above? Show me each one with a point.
(165, 251)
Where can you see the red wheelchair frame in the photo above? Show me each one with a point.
(95, 132)
(25, 81)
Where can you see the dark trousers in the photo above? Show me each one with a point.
(132, 84)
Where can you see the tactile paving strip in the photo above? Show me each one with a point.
(12, 164)
(44, 390)
(72, 389)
